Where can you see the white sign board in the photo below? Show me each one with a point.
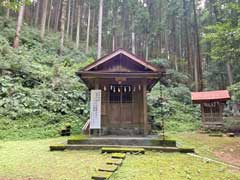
(95, 109)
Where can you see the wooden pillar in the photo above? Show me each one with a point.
(96, 84)
(145, 121)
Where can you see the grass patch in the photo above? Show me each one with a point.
(203, 143)
(31, 158)
(161, 166)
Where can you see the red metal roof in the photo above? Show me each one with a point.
(198, 97)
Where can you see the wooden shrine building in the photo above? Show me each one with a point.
(124, 81)
(212, 106)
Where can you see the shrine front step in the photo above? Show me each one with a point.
(147, 148)
(123, 141)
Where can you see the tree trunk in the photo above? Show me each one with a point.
(146, 47)
(133, 37)
(78, 25)
(93, 32)
(43, 19)
(72, 19)
(114, 28)
(229, 73)
(69, 17)
(99, 48)
(57, 15)
(50, 15)
(198, 51)
(37, 13)
(196, 79)
(88, 28)
(19, 24)
(63, 18)
(7, 11)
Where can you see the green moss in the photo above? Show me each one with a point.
(122, 150)
(113, 161)
(31, 158)
(100, 175)
(57, 147)
(108, 168)
(216, 134)
(119, 155)
(166, 142)
(79, 137)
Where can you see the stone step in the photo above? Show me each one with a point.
(101, 175)
(96, 147)
(108, 168)
(122, 150)
(118, 155)
(123, 141)
(113, 161)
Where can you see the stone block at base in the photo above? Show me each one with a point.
(122, 150)
(57, 147)
(108, 168)
(101, 175)
(118, 155)
(113, 161)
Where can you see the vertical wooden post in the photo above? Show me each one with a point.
(96, 84)
(145, 121)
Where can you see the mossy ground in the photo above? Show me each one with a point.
(32, 158)
(204, 144)
(172, 166)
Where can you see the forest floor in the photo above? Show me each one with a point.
(32, 160)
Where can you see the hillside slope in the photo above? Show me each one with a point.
(38, 88)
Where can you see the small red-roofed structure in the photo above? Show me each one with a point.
(212, 106)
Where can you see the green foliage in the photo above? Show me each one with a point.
(40, 92)
(38, 126)
(14, 4)
(175, 104)
(221, 39)
(38, 88)
(231, 124)
(235, 92)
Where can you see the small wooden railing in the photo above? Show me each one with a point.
(86, 127)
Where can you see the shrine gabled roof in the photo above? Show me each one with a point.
(131, 57)
(221, 95)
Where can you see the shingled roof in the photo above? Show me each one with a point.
(120, 51)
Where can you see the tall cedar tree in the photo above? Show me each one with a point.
(62, 30)
(19, 25)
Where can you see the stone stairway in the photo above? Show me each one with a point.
(111, 166)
